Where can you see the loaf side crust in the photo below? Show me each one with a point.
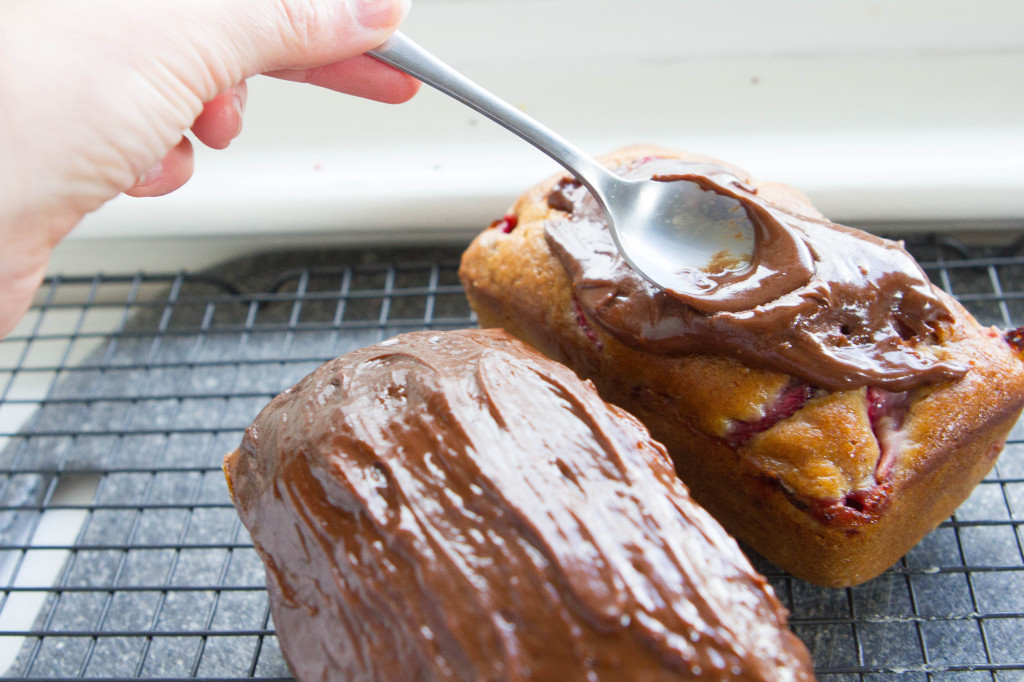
(794, 493)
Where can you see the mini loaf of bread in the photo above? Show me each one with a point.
(829, 417)
(456, 506)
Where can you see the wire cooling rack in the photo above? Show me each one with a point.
(122, 557)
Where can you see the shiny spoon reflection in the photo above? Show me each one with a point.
(653, 223)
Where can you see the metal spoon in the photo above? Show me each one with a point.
(654, 229)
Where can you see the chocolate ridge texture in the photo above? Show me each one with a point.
(831, 473)
(456, 506)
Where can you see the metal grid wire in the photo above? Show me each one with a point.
(122, 557)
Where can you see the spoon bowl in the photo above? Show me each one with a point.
(665, 231)
(655, 226)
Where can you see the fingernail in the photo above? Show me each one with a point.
(150, 176)
(380, 13)
(239, 106)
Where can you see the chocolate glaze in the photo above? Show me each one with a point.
(830, 304)
(455, 506)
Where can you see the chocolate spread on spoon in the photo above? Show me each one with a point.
(830, 304)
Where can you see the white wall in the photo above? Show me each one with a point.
(881, 111)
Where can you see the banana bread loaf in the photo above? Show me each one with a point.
(456, 506)
(829, 420)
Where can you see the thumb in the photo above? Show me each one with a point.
(235, 39)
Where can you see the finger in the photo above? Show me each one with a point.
(221, 118)
(362, 76)
(339, 32)
(169, 174)
(300, 34)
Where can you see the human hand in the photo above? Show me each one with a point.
(95, 98)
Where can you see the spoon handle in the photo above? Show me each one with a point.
(405, 55)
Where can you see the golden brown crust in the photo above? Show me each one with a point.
(811, 492)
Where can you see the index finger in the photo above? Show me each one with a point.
(362, 76)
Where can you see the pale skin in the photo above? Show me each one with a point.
(96, 98)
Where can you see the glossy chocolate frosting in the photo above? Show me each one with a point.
(455, 506)
(830, 304)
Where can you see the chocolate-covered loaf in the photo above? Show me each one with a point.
(456, 506)
(818, 395)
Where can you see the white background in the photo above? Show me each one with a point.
(883, 112)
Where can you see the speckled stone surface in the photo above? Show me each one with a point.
(161, 580)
